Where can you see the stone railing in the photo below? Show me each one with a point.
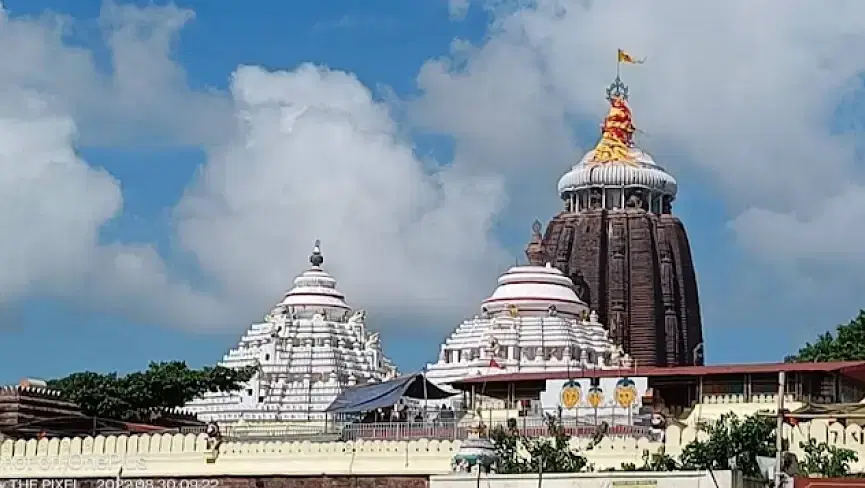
(768, 399)
(178, 455)
(392, 431)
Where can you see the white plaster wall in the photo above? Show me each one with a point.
(681, 479)
(188, 456)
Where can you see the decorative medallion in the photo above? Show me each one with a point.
(513, 311)
(626, 392)
(571, 394)
(595, 396)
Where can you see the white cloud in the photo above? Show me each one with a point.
(743, 92)
(743, 89)
(315, 157)
(53, 205)
(399, 238)
(138, 93)
(458, 8)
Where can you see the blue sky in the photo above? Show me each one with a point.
(456, 93)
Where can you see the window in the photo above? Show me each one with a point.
(249, 391)
(267, 357)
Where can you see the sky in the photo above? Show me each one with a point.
(166, 167)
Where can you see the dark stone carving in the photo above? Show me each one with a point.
(666, 206)
(581, 288)
(636, 200)
(535, 250)
(635, 268)
(595, 199)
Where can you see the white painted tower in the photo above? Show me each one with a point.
(308, 349)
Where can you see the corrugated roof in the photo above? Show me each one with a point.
(853, 369)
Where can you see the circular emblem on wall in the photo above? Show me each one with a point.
(626, 392)
(595, 396)
(571, 394)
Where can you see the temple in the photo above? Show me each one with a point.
(534, 321)
(625, 251)
(308, 349)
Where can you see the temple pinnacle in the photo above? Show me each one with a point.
(617, 89)
(316, 259)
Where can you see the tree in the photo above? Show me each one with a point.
(134, 396)
(654, 461)
(826, 460)
(848, 344)
(732, 439)
(552, 455)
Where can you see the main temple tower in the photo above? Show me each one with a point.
(625, 251)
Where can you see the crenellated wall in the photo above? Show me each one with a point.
(187, 456)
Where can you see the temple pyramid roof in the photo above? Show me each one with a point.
(308, 349)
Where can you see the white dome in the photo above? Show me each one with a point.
(532, 290)
(315, 287)
(646, 174)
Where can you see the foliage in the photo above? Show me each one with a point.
(552, 455)
(132, 397)
(848, 344)
(732, 439)
(826, 460)
(656, 461)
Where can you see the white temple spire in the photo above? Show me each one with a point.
(312, 345)
(532, 322)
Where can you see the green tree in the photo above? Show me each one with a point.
(847, 344)
(549, 455)
(653, 461)
(162, 385)
(826, 460)
(732, 438)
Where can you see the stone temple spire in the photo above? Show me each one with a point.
(617, 236)
(316, 258)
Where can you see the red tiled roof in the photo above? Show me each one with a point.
(853, 369)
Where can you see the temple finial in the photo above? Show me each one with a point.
(617, 131)
(617, 90)
(316, 259)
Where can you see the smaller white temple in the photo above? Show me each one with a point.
(307, 350)
(532, 322)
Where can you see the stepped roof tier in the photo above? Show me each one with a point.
(308, 349)
(534, 321)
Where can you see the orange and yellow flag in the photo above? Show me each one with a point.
(627, 58)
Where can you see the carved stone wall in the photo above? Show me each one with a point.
(639, 274)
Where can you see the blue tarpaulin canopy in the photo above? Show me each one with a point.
(378, 395)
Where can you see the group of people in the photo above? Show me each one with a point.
(404, 413)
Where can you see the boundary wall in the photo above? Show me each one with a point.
(188, 456)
